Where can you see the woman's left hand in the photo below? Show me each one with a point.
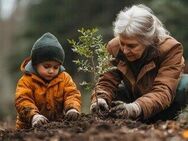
(123, 110)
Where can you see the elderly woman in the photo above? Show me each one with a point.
(149, 64)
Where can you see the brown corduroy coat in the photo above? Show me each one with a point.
(156, 82)
(51, 99)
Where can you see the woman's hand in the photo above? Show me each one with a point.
(123, 110)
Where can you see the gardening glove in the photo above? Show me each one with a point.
(72, 114)
(102, 105)
(123, 110)
(38, 120)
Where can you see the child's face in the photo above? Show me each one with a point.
(48, 69)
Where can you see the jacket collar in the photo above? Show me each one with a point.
(124, 68)
(51, 83)
(146, 68)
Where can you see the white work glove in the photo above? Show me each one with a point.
(38, 120)
(123, 110)
(102, 105)
(72, 114)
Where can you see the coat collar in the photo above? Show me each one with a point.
(51, 83)
(151, 64)
(129, 74)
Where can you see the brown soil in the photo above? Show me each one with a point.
(90, 128)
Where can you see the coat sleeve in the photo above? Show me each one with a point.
(72, 95)
(165, 83)
(24, 101)
(107, 86)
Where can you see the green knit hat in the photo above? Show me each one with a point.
(47, 48)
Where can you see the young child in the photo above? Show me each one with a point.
(45, 91)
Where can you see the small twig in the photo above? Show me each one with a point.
(94, 72)
(95, 82)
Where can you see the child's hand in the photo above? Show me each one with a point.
(38, 120)
(72, 114)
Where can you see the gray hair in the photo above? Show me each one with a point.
(140, 22)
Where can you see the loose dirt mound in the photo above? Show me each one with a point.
(89, 128)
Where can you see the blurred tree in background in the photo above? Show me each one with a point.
(173, 13)
(64, 17)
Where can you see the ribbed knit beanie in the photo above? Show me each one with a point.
(47, 48)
